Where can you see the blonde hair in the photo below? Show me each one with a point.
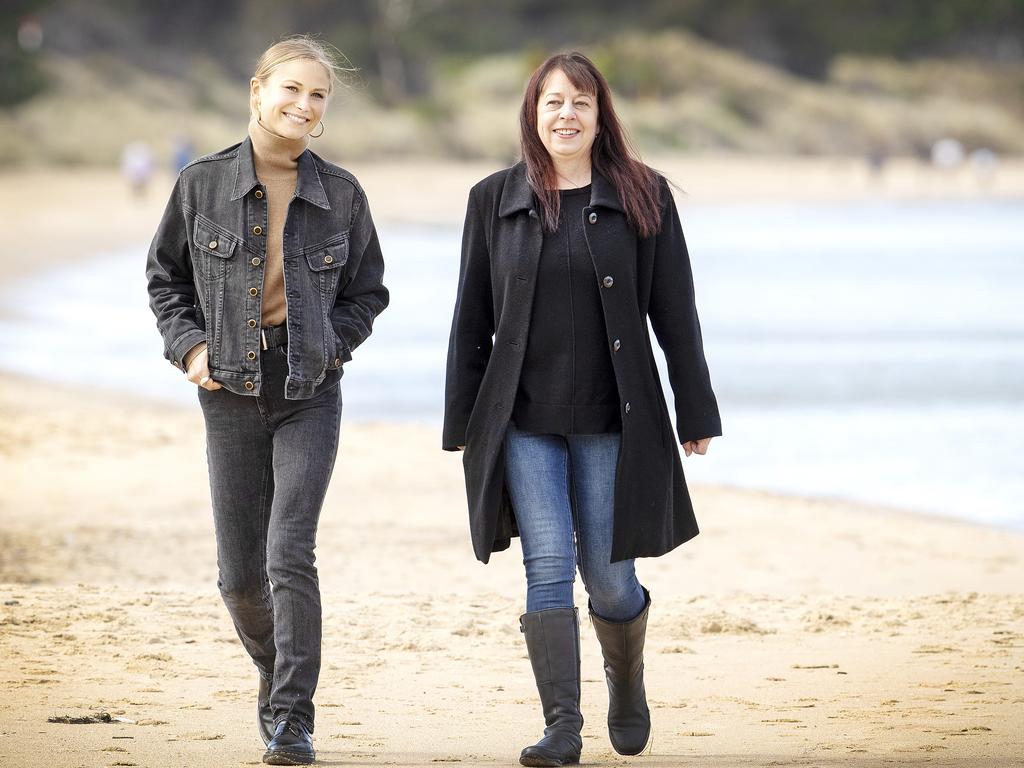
(305, 47)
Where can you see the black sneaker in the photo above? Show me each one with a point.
(292, 745)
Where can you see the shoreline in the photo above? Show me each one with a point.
(85, 430)
(109, 397)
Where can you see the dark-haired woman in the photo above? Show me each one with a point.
(553, 393)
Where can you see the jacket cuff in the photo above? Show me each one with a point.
(698, 429)
(183, 345)
(342, 348)
(453, 436)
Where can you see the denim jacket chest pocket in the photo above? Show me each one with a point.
(327, 266)
(213, 248)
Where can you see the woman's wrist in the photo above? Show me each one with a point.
(193, 353)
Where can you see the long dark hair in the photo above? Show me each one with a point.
(612, 154)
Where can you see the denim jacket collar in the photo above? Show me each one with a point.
(309, 186)
(517, 194)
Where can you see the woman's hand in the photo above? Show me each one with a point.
(697, 446)
(198, 370)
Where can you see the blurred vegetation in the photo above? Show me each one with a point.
(444, 77)
(20, 76)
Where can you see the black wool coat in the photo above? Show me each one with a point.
(639, 278)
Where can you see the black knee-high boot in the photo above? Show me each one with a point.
(622, 645)
(553, 643)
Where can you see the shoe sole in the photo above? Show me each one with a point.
(646, 749)
(288, 758)
(536, 761)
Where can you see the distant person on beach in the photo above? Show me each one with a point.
(553, 393)
(137, 166)
(268, 361)
(182, 153)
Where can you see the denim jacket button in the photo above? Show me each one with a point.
(251, 323)
(608, 282)
(328, 259)
(257, 230)
(259, 194)
(213, 245)
(337, 362)
(592, 218)
(255, 261)
(249, 385)
(616, 345)
(251, 355)
(253, 291)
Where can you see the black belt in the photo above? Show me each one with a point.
(272, 336)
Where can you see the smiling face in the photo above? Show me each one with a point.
(292, 99)
(566, 118)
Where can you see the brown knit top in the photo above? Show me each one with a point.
(275, 159)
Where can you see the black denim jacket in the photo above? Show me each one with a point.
(206, 264)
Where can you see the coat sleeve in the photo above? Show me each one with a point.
(673, 313)
(172, 291)
(363, 296)
(471, 340)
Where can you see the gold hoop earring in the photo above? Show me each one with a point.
(318, 135)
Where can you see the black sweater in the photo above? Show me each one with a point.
(567, 385)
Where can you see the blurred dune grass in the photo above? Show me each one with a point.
(677, 92)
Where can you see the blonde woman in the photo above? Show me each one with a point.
(264, 275)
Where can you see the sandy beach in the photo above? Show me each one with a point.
(792, 631)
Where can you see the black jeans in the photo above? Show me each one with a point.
(270, 462)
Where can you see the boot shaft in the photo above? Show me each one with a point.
(622, 643)
(553, 644)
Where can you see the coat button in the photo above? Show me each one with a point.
(328, 259)
(259, 194)
(255, 261)
(251, 323)
(249, 385)
(533, 214)
(592, 218)
(253, 291)
(627, 407)
(251, 355)
(616, 344)
(213, 245)
(337, 362)
(608, 282)
(257, 230)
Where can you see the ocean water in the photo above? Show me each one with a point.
(864, 351)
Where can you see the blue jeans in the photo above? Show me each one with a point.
(563, 493)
